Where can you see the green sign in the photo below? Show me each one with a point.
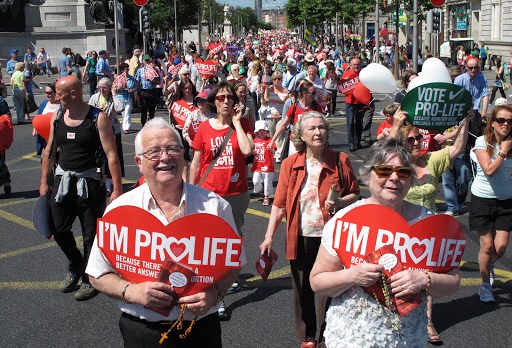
(436, 105)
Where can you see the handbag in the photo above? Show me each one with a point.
(216, 156)
(506, 86)
(119, 102)
(30, 104)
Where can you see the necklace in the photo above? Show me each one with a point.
(391, 315)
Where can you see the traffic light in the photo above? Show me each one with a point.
(144, 20)
(436, 21)
(430, 22)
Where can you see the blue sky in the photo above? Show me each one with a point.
(250, 3)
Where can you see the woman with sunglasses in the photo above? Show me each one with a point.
(302, 195)
(500, 79)
(228, 175)
(354, 317)
(305, 102)
(429, 167)
(491, 195)
(50, 105)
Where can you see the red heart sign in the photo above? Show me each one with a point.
(180, 111)
(348, 82)
(174, 69)
(206, 68)
(435, 243)
(136, 244)
(217, 48)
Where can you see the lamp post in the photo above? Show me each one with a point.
(175, 25)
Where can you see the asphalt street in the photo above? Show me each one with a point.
(35, 313)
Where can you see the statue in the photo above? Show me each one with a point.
(102, 11)
(13, 17)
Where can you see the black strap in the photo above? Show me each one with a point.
(60, 113)
(216, 156)
(340, 171)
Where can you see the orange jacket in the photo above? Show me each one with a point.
(292, 175)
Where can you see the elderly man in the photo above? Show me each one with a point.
(103, 66)
(80, 132)
(135, 61)
(159, 156)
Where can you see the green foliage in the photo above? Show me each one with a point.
(293, 13)
(162, 13)
(265, 26)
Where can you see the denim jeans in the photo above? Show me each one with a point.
(455, 183)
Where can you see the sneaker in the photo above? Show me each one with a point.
(86, 292)
(491, 275)
(70, 282)
(485, 293)
(234, 287)
(7, 189)
(448, 213)
(266, 201)
(222, 311)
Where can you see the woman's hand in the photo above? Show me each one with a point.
(506, 144)
(266, 246)
(237, 117)
(407, 283)
(366, 274)
(329, 204)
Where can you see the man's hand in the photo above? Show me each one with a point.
(150, 294)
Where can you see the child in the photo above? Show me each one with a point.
(385, 127)
(265, 110)
(263, 164)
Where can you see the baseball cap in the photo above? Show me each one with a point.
(201, 95)
(176, 61)
(146, 57)
(137, 51)
(260, 125)
(14, 50)
(102, 52)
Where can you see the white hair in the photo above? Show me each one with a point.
(154, 123)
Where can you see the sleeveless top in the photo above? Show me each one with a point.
(78, 145)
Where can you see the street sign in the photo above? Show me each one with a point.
(144, 2)
(438, 2)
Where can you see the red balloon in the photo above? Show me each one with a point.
(41, 124)
(384, 32)
(140, 2)
(6, 132)
(362, 94)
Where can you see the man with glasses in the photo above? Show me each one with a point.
(159, 156)
(80, 132)
(456, 180)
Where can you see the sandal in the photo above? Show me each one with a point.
(433, 336)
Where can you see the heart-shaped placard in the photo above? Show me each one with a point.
(206, 68)
(180, 111)
(435, 243)
(136, 244)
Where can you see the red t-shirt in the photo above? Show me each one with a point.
(299, 110)
(263, 159)
(347, 84)
(229, 175)
(428, 144)
(384, 125)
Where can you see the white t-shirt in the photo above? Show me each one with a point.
(194, 200)
(497, 186)
(43, 57)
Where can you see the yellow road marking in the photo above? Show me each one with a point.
(46, 245)
(273, 275)
(44, 285)
(258, 213)
(18, 201)
(16, 219)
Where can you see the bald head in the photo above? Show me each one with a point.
(70, 82)
(69, 91)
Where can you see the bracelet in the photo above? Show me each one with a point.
(502, 154)
(429, 281)
(123, 293)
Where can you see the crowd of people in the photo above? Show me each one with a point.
(261, 105)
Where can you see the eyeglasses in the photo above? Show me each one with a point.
(155, 154)
(501, 120)
(277, 79)
(50, 92)
(222, 98)
(385, 171)
(310, 93)
(473, 67)
(418, 138)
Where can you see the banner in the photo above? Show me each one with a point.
(348, 82)
(180, 111)
(435, 243)
(437, 105)
(136, 244)
(150, 73)
(206, 68)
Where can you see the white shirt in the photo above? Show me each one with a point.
(194, 200)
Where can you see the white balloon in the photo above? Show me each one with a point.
(377, 78)
(434, 70)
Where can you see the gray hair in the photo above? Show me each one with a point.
(105, 80)
(381, 151)
(154, 123)
(299, 127)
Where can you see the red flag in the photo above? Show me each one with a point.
(150, 73)
(120, 81)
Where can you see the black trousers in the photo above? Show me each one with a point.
(307, 322)
(148, 101)
(138, 333)
(64, 214)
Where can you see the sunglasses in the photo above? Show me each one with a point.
(501, 120)
(385, 171)
(222, 98)
(473, 67)
(418, 138)
(277, 79)
(50, 92)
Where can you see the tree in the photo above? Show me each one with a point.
(293, 13)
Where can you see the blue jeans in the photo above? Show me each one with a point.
(455, 183)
